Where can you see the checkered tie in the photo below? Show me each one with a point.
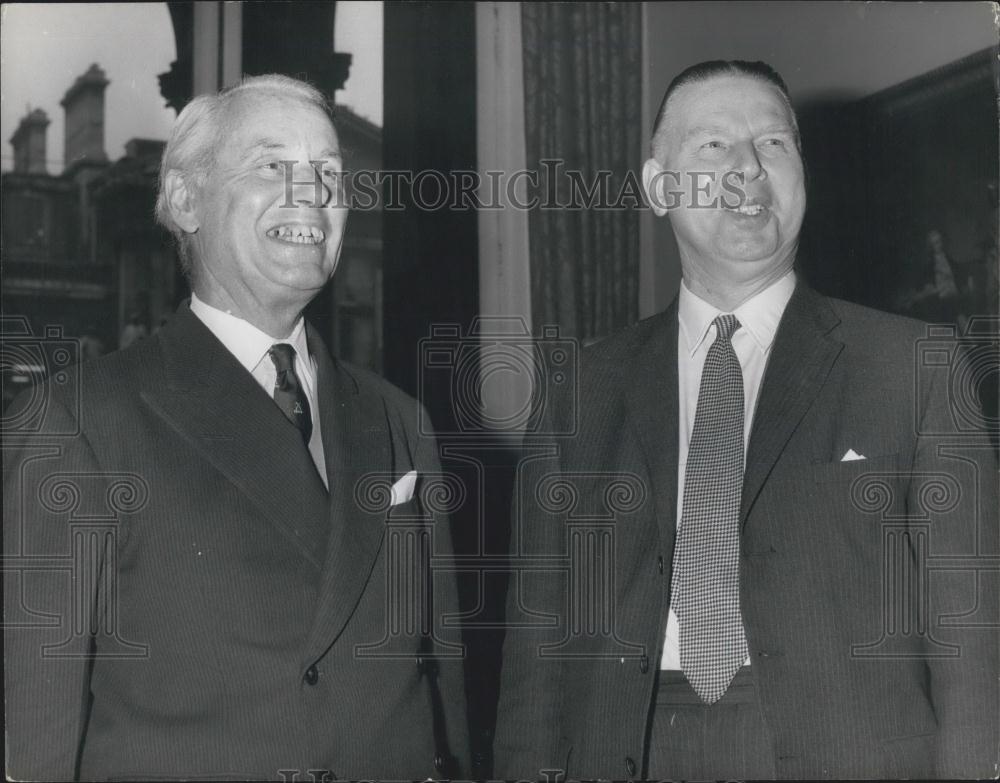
(288, 391)
(705, 582)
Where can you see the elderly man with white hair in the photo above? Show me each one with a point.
(234, 620)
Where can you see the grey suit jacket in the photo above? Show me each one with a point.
(867, 588)
(185, 600)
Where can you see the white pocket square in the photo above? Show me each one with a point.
(852, 455)
(402, 490)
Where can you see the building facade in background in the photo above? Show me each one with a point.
(83, 253)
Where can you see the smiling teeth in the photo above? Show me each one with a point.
(302, 235)
(750, 209)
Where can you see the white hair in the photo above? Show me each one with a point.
(198, 131)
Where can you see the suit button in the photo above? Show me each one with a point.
(644, 664)
(629, 766)
(659, 563)
(311, 676)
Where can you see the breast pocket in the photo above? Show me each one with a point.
(833, 511)
(838, 489)
(850, 470)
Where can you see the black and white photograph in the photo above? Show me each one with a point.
(555, 391)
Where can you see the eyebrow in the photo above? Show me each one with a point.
(709, 129)
(269, 145)
(702, 129)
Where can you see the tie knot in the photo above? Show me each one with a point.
(725, 325)
(283, 356)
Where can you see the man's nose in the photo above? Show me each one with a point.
(748, 162)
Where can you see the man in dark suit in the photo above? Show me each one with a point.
(801, 575)
(207, 535)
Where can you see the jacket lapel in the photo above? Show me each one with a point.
(653, 409)
(800, 362)
(216, 406)
(357, 441)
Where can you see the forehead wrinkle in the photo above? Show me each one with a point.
(700, 129)
(264, 145)
(271, 145)
(669, 121)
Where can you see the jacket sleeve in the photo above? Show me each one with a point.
(51, 595)
(963, 578)
(528, 738)
(444, 665)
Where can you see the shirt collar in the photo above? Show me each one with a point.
(244, 340)
(759, 315)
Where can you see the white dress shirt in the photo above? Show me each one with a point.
(759, 318)
(250, 346)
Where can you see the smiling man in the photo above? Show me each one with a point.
(767, 608)
(232, 621)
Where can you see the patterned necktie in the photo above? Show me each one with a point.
(288, 391)
(705, 582)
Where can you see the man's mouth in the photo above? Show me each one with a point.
(750, 210)
(299, 235)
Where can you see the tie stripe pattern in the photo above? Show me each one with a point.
(705, 580)
(288, 391)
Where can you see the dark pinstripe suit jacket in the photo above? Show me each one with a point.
(871, 650)
(240, 634)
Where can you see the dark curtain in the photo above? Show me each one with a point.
(431, 277)
(430, 258)
(582, 103)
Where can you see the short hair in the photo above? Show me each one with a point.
(710, 69)
(198, 130)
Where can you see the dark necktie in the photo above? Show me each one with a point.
(705, 582)
(288, 391)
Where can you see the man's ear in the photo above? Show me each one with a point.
(652, 183)
(181, 201)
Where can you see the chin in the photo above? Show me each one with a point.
(309, 283)
(301, 279)
(750, 255)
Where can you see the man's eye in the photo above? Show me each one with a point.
(712, 145)
(275, 166)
